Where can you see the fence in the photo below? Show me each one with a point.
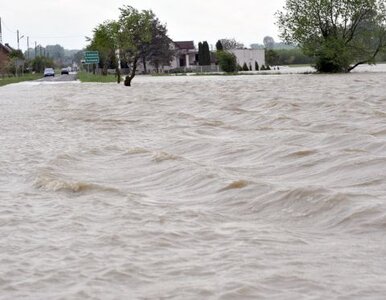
(195, 69)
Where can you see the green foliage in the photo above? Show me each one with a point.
(27, 77)
(104, 41)
(136, 36)
(340, 35)
(272, 57)
(245, 67)
(16, 54)
(257, 66)
(287, 57)
(56, 52)
(200, 54)
(205, 54)
(227, 61)
(39, 63)
(158, 52)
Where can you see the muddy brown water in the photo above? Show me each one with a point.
(249, 187)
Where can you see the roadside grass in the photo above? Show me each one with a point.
(25, 77)
(89, 77)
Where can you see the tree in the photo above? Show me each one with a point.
(40, 62)
(219, 46)
(257, 66)
(104, 41)
(56, 52)
(229, 44)
(269, 42)
(200, 54)
(158, 52)
(340, 34)
(136, 36)
(227, 61)
(135, 31)
(245, 67)
(271, 57)
(205, 54)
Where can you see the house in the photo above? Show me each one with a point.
(5, 51)
(250, 56)
(186, 54)
(186, 57)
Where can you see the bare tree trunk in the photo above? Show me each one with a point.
(144, 64)
(130, 77)
(118, 71)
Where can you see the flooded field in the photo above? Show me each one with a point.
(246, 187)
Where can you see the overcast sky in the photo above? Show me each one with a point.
(67, 22)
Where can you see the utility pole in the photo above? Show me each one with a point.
(18, 40)
(27, 47)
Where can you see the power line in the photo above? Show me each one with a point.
(58, 37)
(42, 36)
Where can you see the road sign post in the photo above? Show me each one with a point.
(91, 57)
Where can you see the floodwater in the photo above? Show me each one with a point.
(246, 187)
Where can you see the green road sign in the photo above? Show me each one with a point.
(91, 57)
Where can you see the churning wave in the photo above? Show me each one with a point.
(247, 187)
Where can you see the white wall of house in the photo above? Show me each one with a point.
(249, 56)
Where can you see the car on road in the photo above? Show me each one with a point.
(64, 71)
(49, 72)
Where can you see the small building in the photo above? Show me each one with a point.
(186, 54)
(5, 51)
(250, 57)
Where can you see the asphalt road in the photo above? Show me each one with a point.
(58, 78)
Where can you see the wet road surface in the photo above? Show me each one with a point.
(58, 78)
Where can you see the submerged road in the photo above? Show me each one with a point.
(58, 78)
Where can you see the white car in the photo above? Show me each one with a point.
(49, 72)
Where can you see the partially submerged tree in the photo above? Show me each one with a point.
(136, 36)
(134, 32)
(340, 34)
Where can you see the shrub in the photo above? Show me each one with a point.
(257, 66)
(227, 61)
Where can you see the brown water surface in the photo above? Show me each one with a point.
(249, 187)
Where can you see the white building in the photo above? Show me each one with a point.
(249, 56)
(186, 54)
